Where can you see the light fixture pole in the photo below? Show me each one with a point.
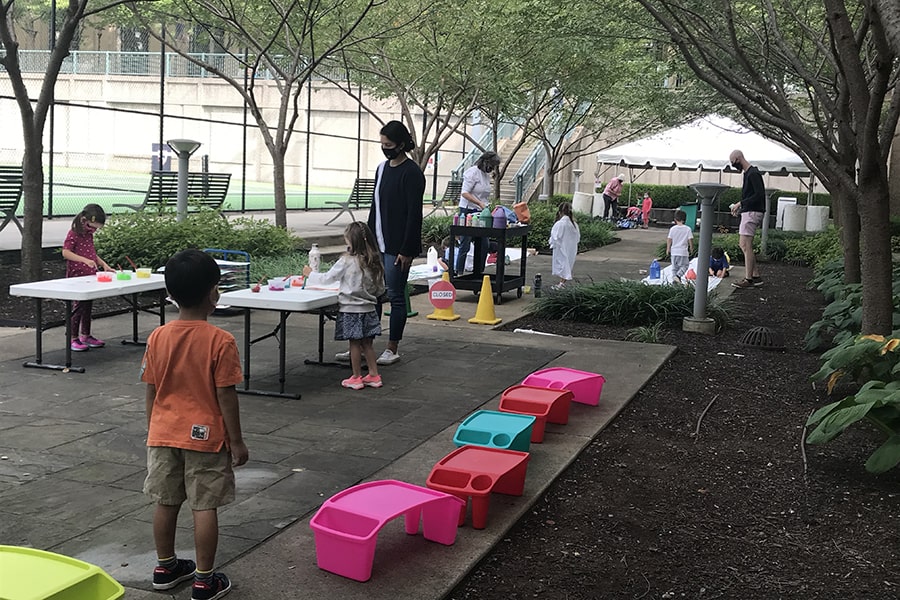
(577, 173)
(184, 149)
(699, 322)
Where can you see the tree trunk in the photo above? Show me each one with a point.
(278, 183)
(33, 195)
(877, 299)
(849, 223)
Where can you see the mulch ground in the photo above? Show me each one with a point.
(702, 487)
(666, 504)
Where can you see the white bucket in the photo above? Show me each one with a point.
(597, 210)
(582, 202)
(779, 215)
(794, 218)
(817, 218)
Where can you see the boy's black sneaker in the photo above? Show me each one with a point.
(166, 579)
(217, 587)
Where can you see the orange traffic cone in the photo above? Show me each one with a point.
(442, 294)
(484, 314)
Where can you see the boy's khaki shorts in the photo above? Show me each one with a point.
(204, 479)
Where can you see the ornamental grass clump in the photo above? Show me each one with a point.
(625, 303)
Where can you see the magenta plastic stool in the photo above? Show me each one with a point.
(346, 526)
(584, 385)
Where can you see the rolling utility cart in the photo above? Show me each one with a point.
(500, 281)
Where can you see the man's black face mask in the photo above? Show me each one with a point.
(737, 166)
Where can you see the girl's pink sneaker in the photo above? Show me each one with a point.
(354, 383)
(93, 342)
(372, 381)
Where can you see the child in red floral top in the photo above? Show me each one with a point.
(81, 259)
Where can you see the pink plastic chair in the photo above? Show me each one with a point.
(585, 386)
(476, 471)
(346, 526)
(546, 405)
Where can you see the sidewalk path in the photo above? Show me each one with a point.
(73, 456)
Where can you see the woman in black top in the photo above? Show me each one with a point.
(396, 220)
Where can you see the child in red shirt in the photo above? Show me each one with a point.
(646, 205)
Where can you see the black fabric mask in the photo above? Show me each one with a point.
(737, 166)
(391, 153)
(488, 168)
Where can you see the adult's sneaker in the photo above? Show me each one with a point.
(78, 346)
(216, 587)
(743, 284)
(387, 357)
(166, 579)
(757, 281)
(342, 356)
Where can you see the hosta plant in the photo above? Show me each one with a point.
(875, 360)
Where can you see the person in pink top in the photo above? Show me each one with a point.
(646, 205)
(81, 259)
(611, 194)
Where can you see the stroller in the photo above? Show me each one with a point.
(631, 220)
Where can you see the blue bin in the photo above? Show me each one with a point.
(494, 429)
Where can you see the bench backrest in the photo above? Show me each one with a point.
(452, 193)
(208, 189)
(363, 193)
(10, 187)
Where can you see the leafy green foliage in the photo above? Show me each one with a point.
(625, 303)
(877, 402)
(673, 196)
(435, 229)
(150, 239)
(842, 317)
(648, 334)
(280, 266)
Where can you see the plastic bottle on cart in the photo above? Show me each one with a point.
(537, 285)
(654, 269)
(432, 257)
(468, 220)
(315, 258)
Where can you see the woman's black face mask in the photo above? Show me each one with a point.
(391, 153)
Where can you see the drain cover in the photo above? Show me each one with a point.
(763, 337)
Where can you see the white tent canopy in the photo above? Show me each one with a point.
(704, 144)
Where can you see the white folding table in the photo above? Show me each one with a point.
(72, 289)
(289, 301)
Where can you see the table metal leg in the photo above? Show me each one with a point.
(281, 327)
(39, 330)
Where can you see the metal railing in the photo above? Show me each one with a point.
(504, 131)
(528, 172)
(88, 62)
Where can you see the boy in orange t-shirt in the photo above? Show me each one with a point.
(191, 368)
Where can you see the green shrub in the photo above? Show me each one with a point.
(150, 239)
(267, 267)
(625, 303)
(649, 334)
(435, 229)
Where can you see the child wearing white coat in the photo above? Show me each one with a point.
(564, 238)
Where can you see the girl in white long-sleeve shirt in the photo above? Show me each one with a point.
(360, 275)
(564, 238)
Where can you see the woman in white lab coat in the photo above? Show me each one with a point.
(564, 238)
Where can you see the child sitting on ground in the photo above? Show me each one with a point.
(718, 263)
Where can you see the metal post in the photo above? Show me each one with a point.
(763, 244)
(52, 119)
(708, 193)
(184, 149)
(308, 141)
(162, 97)
(244, 140)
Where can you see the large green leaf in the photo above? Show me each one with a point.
(886, 457)
(836, 422)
